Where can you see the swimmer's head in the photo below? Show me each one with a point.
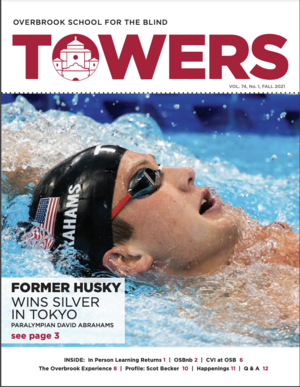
(162, 221)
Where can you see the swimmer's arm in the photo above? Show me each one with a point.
(17, 168)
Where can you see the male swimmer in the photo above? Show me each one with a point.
(131, 215)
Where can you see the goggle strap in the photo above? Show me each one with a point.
(120, 205)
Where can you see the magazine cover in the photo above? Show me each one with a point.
(150, 193)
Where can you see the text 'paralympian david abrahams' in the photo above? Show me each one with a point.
(60, 287)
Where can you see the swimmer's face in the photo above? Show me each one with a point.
(170, 234)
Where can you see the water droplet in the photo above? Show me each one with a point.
(63, 104)
(213, 191)
(267, 116)
(147, 115)
(203, 101)
(137, 108)
(194, 112)
(289, 154)
(87, 100)
(273, 157)
(224, 106)
(101, 111)
(278, 119)
(57, 99)
(283, 114)
(75, 99)
(147, 95)
(176, 106)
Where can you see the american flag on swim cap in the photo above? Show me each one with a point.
(41, 236)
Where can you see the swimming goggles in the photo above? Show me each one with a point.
(143, 184)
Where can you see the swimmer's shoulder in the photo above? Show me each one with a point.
(287, 244)
(280, 225)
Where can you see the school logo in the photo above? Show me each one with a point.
(75, 57)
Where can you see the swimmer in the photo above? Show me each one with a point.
(131, 215)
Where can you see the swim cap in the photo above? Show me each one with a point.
(83, 185)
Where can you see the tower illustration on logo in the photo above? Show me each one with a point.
(75, 57)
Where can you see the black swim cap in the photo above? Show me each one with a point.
(84, 184)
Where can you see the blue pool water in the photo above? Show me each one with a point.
(256, 171)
